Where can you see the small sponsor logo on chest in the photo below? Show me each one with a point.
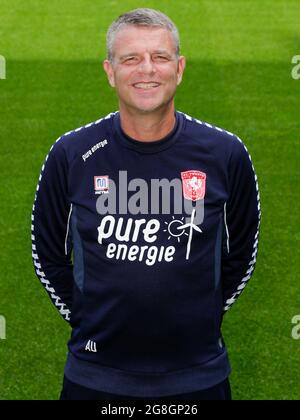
(101, 185)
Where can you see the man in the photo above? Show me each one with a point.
(162, 214)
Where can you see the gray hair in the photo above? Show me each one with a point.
(142, 17)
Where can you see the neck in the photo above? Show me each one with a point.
(148, 126)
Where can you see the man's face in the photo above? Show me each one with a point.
(145, 69)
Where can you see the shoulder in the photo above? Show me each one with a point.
(86, 131)
(195, 128)
(216, 138)
(77, 142)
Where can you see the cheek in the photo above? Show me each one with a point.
(121, 79)
(125, 84)
(169, 75)
(171, 80)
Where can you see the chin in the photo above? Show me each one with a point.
(145, 108)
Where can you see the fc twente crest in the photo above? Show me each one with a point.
(193, 184)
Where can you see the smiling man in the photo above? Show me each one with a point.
(145, 231)
(145, 68)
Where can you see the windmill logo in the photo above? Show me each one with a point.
(193, 185)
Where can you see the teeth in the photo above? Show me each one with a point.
(145, 85)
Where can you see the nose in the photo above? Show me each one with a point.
(146, 65)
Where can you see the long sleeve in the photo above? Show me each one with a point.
(51, 250)
(242, 221)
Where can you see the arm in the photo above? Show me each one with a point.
(51, 212)
(241, 221)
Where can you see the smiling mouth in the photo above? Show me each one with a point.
(146, 86)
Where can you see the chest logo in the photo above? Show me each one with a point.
(101, 184)
(193, 184)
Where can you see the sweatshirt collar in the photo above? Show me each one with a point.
(153, 146)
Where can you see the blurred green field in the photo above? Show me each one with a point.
(238, 77)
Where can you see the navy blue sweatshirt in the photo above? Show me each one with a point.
(142, 247)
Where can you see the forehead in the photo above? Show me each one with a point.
(142, 38)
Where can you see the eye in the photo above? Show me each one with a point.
(129, 60)
(160, 58)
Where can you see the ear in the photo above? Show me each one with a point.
(180, 68)
(109, 71)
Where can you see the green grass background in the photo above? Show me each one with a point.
(238, 76)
